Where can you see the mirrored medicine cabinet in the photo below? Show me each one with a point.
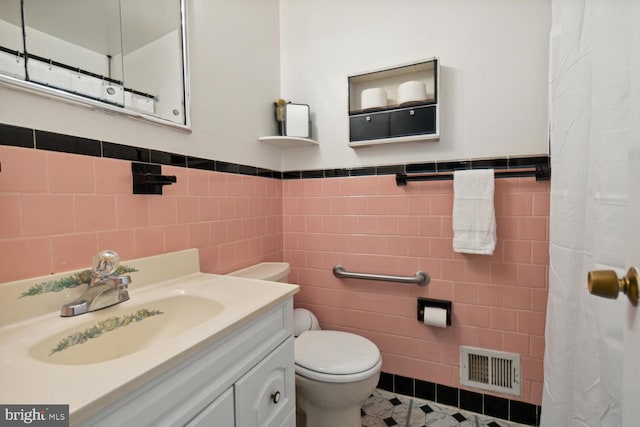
(125, 56)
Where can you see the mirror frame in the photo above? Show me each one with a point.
(72, 98)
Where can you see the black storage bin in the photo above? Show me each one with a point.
(369, 126)
(413, 121)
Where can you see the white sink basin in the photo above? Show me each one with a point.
(125, 329)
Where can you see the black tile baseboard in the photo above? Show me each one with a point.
(496, 406)
(471, 401)
(403, 385)
(423, 389)
(447, 395)
(480, 403)
(523, 413)
(42, 140)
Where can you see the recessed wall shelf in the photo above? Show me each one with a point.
(395, 104)
(288, 141)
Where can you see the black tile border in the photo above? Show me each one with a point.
(42, 140)
(169, 159)
(421, 168)
(312, 174)
(336, 173)
(453, 166)
(202, 164)
(125, 152)
(480, 403)
(51, 141)
(16, 136)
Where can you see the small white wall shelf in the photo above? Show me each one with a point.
(395, 104)
(288, 141)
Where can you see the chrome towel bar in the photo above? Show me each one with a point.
(421, 278)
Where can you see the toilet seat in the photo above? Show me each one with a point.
(336, 357)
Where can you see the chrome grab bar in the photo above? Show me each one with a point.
(421, 278)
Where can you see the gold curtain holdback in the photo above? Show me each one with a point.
(605, 283)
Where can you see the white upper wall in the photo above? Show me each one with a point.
(235, 77)
(245, 54)
(494, 74)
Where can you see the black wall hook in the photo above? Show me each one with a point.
(148, 179)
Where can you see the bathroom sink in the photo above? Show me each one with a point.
(124, 329)
(175, 313)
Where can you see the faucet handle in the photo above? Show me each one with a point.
(105, 263)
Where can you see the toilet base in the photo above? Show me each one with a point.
(332, 404)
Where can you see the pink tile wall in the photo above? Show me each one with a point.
(59, 209)
(368, 224)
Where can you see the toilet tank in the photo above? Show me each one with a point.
(271, 271)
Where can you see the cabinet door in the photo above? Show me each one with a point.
(265, 396)
(413, 121)
(219, 413)
(369, 126)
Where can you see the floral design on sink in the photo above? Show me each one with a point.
(103, 337)
(72, 281)
(102, 327)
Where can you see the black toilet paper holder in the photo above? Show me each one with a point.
(433, 303)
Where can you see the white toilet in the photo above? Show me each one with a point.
(335, 371)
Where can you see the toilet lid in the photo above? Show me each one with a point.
(335, 352)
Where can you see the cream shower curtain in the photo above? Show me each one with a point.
(589, 117)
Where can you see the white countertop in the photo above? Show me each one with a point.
(87, 388)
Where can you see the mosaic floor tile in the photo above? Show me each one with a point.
(386, 409)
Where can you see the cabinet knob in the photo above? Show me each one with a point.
(275, 397)
(368, 118)
(412, 113)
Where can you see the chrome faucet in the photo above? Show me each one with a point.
(105, 289)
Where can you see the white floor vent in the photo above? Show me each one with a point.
(490, 370)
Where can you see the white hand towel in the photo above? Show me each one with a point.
(474, 219)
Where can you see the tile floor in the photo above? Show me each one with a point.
(386, 409)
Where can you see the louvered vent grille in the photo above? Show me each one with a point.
(490, 370)
(479, 368)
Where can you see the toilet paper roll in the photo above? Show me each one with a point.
(412, 92)
(373, 98)
(434, 316)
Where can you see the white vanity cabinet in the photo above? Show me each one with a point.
(265, 395)
(244, 379)
(220, 412)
